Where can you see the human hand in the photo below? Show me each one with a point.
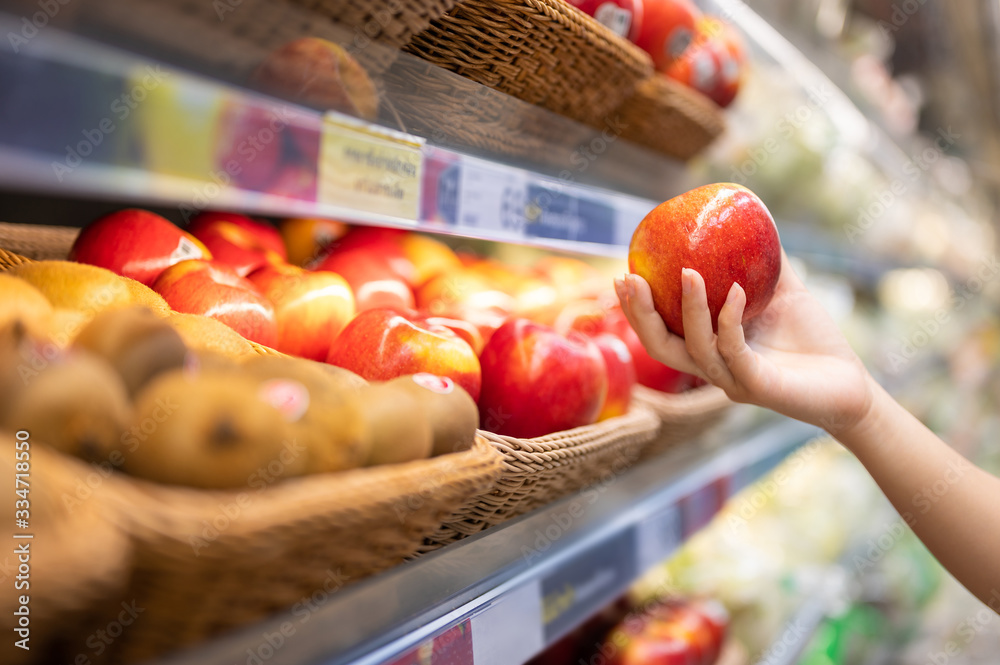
(796, 362)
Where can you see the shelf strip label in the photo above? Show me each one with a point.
(509, 630)
(368, 168)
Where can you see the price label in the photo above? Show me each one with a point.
(657, 537)
(369, 168)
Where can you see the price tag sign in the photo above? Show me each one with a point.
(657, 537)
(587, 583)
(369, 168)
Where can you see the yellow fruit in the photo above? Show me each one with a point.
(65, 325)
(22, 301)
(143, 295)
(135, 342)
(203, 333)
(210, 430)
(78, 286)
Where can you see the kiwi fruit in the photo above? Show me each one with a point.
(74, 402)
(135, 342)
(400, 430)
(451, 411)
(328, 419)
(344, 378)
(212, 430)
(205, 333)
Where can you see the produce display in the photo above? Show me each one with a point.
(703, 52)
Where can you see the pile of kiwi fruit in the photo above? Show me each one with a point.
(131, 387)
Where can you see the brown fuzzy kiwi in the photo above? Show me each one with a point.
(452, 412)
(143, 295)
(399, 426)
(75, 402)
(328, 421)
(137, 343)
(345, 378)
(211, 430)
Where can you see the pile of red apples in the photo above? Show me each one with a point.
(541, 349)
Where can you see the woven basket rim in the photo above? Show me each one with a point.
(637, 418)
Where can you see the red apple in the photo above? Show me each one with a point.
(622, 17)
(248, 144)
(648, 371)
(135, 243)
(462, 289)
(721, 230)
(667, 29)
(216, 290)
(429, 257)
(467, 331)
(311, 307)
(374, 283)
(536, 381)
(385, 242)
(621, 375)
(306, 238)
(381, 344)
(238, 241)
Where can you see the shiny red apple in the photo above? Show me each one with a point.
(374, 282)
(381, 344)
(238, 241)
(667, 29)
(311, 307)
(464, 329)
(384, 242)
(536, 381)
(135, 243)
(216, 290)
(621, 375)
(721, 230)
(648, 371)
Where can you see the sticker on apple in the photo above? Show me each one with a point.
(438, 384)
(291, 398)
(616, 19)
(186, 249)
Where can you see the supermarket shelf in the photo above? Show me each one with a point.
(106, 123)
(500, 597)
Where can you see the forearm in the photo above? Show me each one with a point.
(952, 506)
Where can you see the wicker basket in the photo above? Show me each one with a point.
(196, 563)
(390, 22)
(19, 242)
(539, 471)
(544, 52)
(683, 416)
(667, 116)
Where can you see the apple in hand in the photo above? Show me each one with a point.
(216, 290)
(135, 243)
(238, 241)
(374, 283)
(381, 344)
(536, 381)
(721, 230)
(310, 307)
(621, 375)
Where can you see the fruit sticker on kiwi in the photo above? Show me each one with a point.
(186, 249)
(291, 398)
(438, 384)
